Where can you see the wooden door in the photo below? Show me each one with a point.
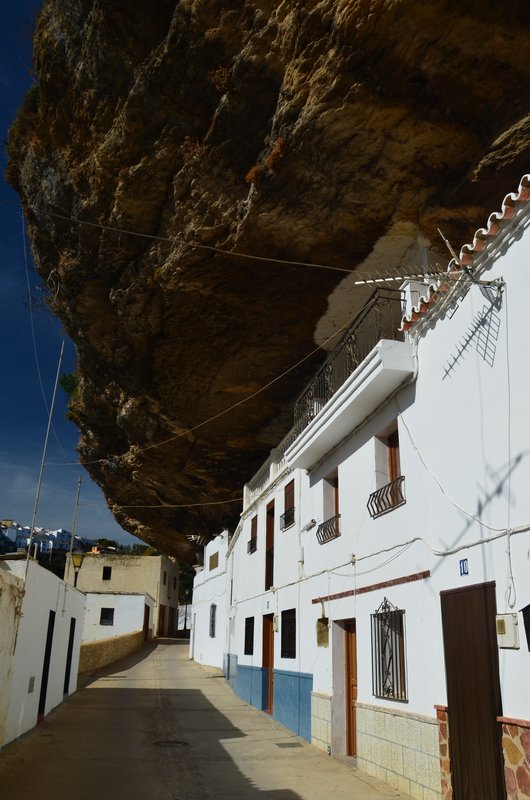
(473, 692)
(350, 649)
(161, 620)
(268, 663)
(46, 667)
(146, 622)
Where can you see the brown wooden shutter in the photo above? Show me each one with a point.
(289, 495)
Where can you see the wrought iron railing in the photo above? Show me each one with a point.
(378, 319)
(270, 469)
(387, 498)
(388, 652)
(252, 545)
(287, 519)
(328, 530)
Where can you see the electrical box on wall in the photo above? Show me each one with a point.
(507, 631)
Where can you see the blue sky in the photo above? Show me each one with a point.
(23, 416)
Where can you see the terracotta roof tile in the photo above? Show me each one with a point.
(434, 290)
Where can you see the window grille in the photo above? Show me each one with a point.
(287, 518)
(288, 645)
(213, 612)
(106, 616)
(249, 636)
(252, 544)
(388, 652)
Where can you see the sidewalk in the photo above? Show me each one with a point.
(161, 727)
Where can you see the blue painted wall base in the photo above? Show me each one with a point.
(292, 693)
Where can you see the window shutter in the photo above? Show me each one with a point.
(289, 495)
(288, 647)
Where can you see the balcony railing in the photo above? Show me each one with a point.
(387, 498)
(287, 519)
(269, 470)
(328, 530)
(252, 545)
(379, 319)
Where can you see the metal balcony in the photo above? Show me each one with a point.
(328, 530)
(379, 319)
(287, 519)
(387, 498)
(252, 545)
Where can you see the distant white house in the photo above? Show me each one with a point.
(208, 640)
(40, 635)
(110, 614)
(377, 589)
(155, 576)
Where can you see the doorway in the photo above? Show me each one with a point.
(46, 667)
(69, 653)
(473, 692)
(146, 623)
(350, 651)
(268, 663)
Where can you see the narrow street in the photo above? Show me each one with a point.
(160, 727)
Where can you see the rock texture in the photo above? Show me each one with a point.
(341, 132)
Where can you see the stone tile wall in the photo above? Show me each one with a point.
(400, 748)
(321, 721)
(516, 749)
(443, 743)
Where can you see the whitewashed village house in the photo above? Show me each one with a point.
(377, 588)
(40, 634)
(109, 576)
(208, 639)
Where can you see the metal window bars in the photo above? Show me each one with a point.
(252, 544)
(387, 498)
(328, 530)
(388, 652)
(287, 519)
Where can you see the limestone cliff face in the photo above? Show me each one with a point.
(341, 132)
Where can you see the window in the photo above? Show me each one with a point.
(269, 546)
(249, 636)
(288, 646)
(106, 616)
(329, 529)
(387, 463)
(388, 652)
(214, 561)
(164, 578)
(107, 572)
(252, 543)
(287, 518)
(390, 483)
(213, 612)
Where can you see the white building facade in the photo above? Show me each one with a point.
(377, 589)
(156, 576)
(39, 644)
(208, 639)
(111, 614)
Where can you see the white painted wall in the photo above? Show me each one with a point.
(210, 586)
(128, 615)
(464, 452)
(11, 594)
(157, 576)
(44, 593)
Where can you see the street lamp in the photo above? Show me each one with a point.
(77, 560)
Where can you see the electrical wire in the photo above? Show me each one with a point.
(259, 391)
(168, 505)
(364, 278)
(433, 476)
(33, 337)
